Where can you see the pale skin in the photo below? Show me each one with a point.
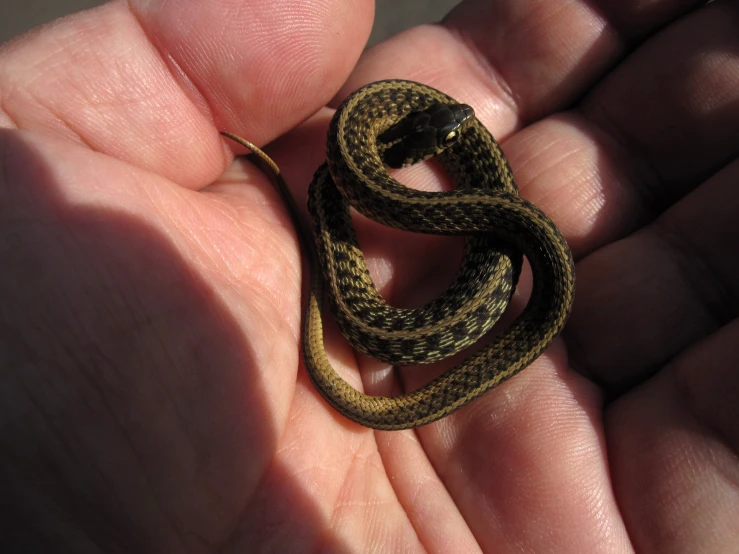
(153, 398)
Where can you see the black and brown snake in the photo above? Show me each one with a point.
(397, 123)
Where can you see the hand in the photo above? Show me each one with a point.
(152, 394)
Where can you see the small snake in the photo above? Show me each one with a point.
(398, 123)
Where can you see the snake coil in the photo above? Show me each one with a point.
(396, 123)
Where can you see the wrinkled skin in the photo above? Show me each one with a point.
(152, 394)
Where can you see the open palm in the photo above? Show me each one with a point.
(153, 397)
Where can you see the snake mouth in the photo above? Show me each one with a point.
(424, 133)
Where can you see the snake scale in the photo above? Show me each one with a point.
(397, 123)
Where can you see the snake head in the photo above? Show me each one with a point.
(422, 134)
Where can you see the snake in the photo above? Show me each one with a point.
(396, 123)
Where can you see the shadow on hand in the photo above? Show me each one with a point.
(134, 413)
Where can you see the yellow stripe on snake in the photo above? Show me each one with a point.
(398, 123)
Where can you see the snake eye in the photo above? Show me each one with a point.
(451, 138)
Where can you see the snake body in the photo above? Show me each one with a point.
(397, 123)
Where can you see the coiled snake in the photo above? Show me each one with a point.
(397, 123)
